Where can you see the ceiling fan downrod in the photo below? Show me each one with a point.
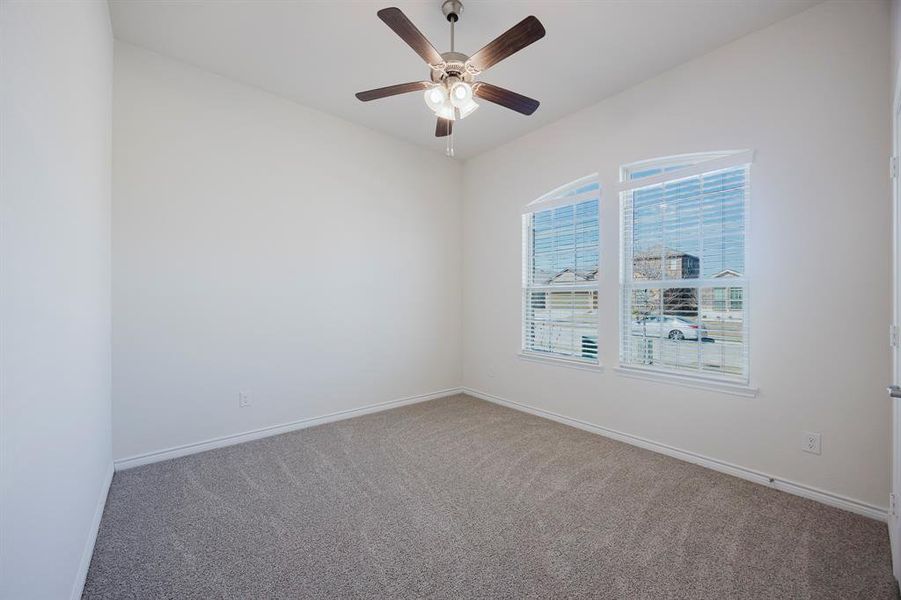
(452, 10)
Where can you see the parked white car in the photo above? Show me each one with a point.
(674, 328)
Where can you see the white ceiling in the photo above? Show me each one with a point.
(319, 53)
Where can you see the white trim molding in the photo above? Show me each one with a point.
(570, 363)
(81, 575)
(255, 434)
(557, 196)
(699, 383)
(722, 160)
(797, 489)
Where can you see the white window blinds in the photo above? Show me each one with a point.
(560, 268)
(684, 286)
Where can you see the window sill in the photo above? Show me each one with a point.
(700, 383)
(562, 362)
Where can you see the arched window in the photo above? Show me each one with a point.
(684, 286)
(560, 273)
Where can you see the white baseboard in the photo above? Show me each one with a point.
(239, 438)
(791, 487)
(824, 497)
(82, 574)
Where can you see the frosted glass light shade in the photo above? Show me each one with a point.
(453, 105)
(436, 97)
(468, 108)
(461, 94)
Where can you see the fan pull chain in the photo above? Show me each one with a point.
(449, 144)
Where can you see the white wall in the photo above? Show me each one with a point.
(811, 96)
(55, 452)
(262, 246)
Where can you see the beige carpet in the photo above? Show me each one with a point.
(459, 498)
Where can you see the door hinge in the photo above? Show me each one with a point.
(893, 167)
(893, 336)
(891, 504)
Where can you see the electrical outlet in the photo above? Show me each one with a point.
(243, 399)
(811, 442)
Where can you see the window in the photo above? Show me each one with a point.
(560, 271)
(719, 298)
(735, 296)
(683, 272)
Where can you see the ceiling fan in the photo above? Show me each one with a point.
(453, 83)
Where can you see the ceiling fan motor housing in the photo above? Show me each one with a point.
(454, 66)
(452, 10)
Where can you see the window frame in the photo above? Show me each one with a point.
(557, 198)
(689, 166)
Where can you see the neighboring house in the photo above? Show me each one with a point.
(570, 276)
(716, 303)
(555, 315)
(723, 303)
(659, 263)
(565, 299)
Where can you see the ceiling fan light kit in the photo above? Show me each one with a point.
(453, 86)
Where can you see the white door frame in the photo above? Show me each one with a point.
(894, 522)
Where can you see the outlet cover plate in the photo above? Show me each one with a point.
(811, 442)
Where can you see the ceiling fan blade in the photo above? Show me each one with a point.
(404, 27)
(506, 98)
(513, 40)
(444, 127)
(393, 90)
